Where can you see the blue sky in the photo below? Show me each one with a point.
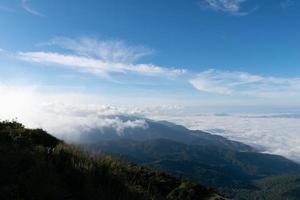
(185, 52)
(71, 64)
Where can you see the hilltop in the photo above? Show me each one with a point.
(36, 165)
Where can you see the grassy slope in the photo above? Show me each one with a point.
(29, 171)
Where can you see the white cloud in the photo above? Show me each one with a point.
(205, 85)
(70, 125)
(30, 10)
(97, 66)
(229, 6)
(242, 83)
(101, 58)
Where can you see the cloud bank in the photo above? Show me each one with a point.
(63, 116)
(273, 133)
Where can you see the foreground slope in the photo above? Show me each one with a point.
(226, 170)
(35, 165)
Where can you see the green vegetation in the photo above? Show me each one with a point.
(35, 165)
(239, 175)
(275, 188)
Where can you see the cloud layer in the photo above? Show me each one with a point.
(276, 134)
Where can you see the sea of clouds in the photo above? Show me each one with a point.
(271, 133)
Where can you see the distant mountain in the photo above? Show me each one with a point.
(228, 171)
(233, 168)
(36, 165)
(160, 130)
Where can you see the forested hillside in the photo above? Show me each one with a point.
(232, 168)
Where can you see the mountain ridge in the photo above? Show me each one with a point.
(158, 130)
(230, 167)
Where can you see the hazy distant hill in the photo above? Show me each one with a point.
(36, 166)
(160, 130)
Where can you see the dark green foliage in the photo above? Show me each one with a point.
(15, 133)
(230, 172)
(275, 188)
(35, 165)
(186, 190)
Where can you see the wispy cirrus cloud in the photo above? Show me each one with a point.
(102, 58)
(26, 7)
(233, 7)
(106, 50)
(112, 60)
(242, 83)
